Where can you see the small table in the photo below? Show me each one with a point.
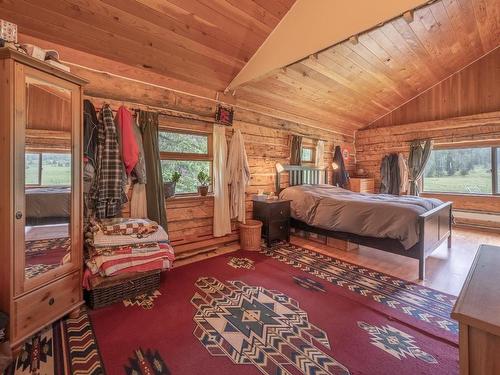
(275, 217)
(478, 312)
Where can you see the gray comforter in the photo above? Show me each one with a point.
(372, 215)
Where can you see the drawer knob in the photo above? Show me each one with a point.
(281, 226)
(51, 301)
(281, 212)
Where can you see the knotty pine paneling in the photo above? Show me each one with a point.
(473, 90)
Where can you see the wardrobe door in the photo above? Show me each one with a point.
(47, 175)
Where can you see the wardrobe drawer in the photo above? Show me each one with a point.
(42, 306)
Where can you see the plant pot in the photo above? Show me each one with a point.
(169, 189)
(203, 190)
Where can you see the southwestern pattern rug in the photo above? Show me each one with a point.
(285, 310)
(66, 347)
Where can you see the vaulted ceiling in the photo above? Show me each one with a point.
(205, 42)
(199, 46)
(353, 83)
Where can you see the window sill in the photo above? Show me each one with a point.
(190, 197)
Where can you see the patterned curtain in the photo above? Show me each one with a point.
(148, 122)
(296, 150)
(419, 156)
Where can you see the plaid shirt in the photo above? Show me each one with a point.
(107, 192)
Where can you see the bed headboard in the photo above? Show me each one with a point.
(300, 175)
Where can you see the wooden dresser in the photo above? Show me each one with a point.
(40, 193)
(362, 184)
(275, 217)
(478, 313)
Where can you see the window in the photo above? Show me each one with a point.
(307, 155)
(463, 170)
(47, 169)
(187, 153)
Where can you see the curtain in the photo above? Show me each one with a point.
(296, 150)
(238, 176)
(419, 156)
(340, 175)
(222, 221)
(155, 195)
(319, 161)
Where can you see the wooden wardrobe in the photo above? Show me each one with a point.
(40, 193)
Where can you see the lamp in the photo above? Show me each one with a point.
(335, 166)
(279, 167)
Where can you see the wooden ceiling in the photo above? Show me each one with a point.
(198, 46)
(205, 42)
(350, 85)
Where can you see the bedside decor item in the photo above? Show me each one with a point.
(250, 234)
(204, 179)
(224, 115)
(169, 186)
(275, 216)
(8, 31)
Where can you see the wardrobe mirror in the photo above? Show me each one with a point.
(48, 177)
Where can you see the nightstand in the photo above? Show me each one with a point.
(362, 184)
(275, 216)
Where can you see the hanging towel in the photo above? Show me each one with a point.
(129, 149)
(403, 174)
(319, 161)
(138, 202)
(238, 174)
(222, 220)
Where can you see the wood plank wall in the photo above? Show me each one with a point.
(456, 107)
(266, 142)
(473, 90)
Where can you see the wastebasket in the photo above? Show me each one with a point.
(250, 233)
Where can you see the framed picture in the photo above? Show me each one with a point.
(224, 115)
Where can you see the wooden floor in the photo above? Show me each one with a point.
(446, 268)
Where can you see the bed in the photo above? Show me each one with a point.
(47, 205)
(409, 226)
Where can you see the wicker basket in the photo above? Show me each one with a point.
(250, 234)
(123, 289)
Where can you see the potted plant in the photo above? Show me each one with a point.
(169, 186)
(204, 180)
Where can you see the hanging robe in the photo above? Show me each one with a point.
(222, 220)
(238, 176)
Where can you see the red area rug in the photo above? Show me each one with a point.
(285, 310)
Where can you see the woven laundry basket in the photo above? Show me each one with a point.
(250, 234)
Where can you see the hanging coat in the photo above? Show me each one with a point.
(238, 175)
(340, 175)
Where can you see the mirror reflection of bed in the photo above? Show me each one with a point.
(47, 178)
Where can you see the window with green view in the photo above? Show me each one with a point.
(186, 153)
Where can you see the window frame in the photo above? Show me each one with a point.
(40, 168)
(313, 154)
(495, 168)
(187, 156)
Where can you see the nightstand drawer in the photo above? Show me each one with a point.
(279, 229)
(280, 212)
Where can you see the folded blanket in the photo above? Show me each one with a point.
(129, 261)
(126, 249)
(126, 226)
(102, 240)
